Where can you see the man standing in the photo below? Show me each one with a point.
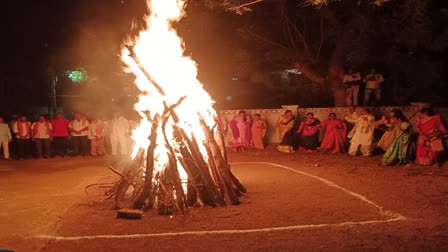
(13, 144)
(5, 138)
(362, 133)
(96, 136)
(373, 86)
(60, 134)
(118, 135)
(351, 82)
(41, 133)
(79, 129)
(22, 130)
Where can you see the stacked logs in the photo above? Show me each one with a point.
(210, 179)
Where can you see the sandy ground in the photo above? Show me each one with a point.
(295, 202)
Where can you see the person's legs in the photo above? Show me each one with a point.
(352, 151)
(38, 143)
(355, 91)
(348, 96)
(93, 147)
(367, 94)
(76, 141)
(114, 144)
(123, 144)
(100, 146)
(46, 145)
(84, 145)
(366, 149)
(4, 143)
(378, 95)
(20, 148)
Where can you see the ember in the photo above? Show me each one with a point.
(179, 154)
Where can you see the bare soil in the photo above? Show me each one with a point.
(47, 197)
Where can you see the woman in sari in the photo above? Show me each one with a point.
(399, 152)
(258, 131)
(286, 134)
(241, 132)
(334, 137)
(309, 133)
(429, 143)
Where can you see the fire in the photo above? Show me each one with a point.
(187, 148)
(161, 53)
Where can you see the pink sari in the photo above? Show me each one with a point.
(241, 133)
(334, 138)
(429, 142)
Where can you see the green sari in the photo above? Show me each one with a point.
(400, 151)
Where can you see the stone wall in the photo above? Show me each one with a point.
(271, 115)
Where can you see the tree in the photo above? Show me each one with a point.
(321, 37)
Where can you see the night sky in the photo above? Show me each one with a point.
(53, 36)
(38, 35)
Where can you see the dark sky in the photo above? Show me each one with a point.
(63, 33)
(68, 34)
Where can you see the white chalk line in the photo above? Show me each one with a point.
(215, 232)
(381, 210)
(393, 217)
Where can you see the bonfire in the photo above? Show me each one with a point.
(179, 155)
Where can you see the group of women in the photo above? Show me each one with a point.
(304, 136)
(398, 142)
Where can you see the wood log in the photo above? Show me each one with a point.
(140, 201)
(127, 179)
(220, 164)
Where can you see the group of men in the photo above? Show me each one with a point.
(352, 83)
(61, 136)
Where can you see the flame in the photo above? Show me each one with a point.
(161, 53)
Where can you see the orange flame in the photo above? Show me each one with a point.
(161, 53)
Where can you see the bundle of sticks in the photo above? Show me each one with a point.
(210, 179)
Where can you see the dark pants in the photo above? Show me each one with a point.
(42, 147)
(23, 148)
(80, 145)
(60, 146)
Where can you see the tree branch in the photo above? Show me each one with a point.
(244, 5)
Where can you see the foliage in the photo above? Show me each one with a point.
(405, 40)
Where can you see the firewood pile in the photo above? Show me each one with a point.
(210, 180)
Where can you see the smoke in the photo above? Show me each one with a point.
(96, 31)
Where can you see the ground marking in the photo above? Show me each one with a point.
(392, 217)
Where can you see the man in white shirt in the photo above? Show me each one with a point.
(79, 129)
(362, 134)
(22, 130)
(119, 133)
(351, 82)
(42, 134)
(5, 138)
(373, 86)
(96, 136)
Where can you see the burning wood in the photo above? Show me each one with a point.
(179, 155)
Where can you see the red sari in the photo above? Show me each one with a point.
(334, 138)
(429, 143)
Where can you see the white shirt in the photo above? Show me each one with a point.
(120, 126)
(93, 132)
(4, 131)
(79, 125)
(373, 81)
(42, 132)
(25, 129)
(352, 77)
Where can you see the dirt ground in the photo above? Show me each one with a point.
(295, 202)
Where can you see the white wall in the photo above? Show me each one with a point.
(271, 115)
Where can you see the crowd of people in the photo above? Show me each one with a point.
(45, 138)
(355, 134)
